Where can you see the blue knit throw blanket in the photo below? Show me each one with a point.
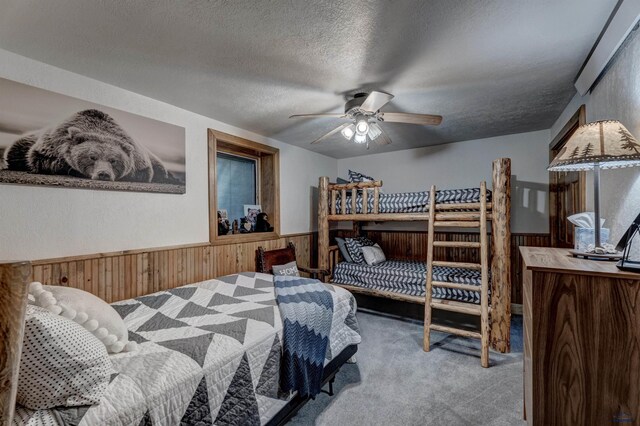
(306, 307)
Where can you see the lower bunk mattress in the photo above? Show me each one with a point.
(412, 202)
(408, 277)
(209, 354)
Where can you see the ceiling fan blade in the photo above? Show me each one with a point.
(327, 115)
(383, 138)
(405, 117)
(375, 101)
(334, 131)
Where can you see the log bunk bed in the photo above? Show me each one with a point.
(491, 300)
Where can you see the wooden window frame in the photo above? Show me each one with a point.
(578, 119)
(268, 185)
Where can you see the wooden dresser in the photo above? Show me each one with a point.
(581, 340)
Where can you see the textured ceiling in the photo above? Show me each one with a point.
(490, 67)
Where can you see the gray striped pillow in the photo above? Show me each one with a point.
(357, 177)
(354, 246)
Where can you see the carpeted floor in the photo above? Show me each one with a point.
(395, 383)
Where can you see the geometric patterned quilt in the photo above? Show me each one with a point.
(412, 202)
(209, 354)
(408, 277)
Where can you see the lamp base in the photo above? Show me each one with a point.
(629, 266)
(596, 256)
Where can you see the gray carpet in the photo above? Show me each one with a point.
(395, 383)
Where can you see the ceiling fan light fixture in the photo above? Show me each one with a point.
(374, 131)
(358, 138)
(363, 112)
(348, 132)
(362, 125)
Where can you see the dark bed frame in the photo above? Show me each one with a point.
(330, 370)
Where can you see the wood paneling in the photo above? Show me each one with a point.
(413, 246)
(124, 275)
(582, 341)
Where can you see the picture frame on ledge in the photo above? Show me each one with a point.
(251, 212)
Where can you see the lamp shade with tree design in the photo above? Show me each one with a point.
(594, 146)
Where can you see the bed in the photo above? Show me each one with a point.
(409, 202)
(362, 200)
(209, 353)
(408, 277)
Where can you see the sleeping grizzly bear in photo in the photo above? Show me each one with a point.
(89, 144)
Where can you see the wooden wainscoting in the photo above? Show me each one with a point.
(413, 246)
(124, 275)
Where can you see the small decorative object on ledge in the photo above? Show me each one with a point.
(625, 246)
(594, 146)
(245, 225)
(262, 223)
(251, 213)
(224, 227)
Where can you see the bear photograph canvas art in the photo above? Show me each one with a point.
(51, 139)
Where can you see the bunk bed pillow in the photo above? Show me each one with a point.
(62, 364)
(373, 255)
(357, 177)
(354, 246)
(287, 270)
(341, 181)
(93, 313)
(342, 246)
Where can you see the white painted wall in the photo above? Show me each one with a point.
(617, 96)
(40, 222)
(465, 165)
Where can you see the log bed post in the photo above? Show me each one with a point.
(14, 287)
(501, 256)
(323, 223)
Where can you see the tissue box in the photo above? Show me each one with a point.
(586, 236)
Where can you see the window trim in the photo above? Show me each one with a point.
(268, 177)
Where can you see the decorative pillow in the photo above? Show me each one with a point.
(288, 269)
(342, 246)
(62, 364)
(354, 246)
(357, 177)
(373, 255)
(341, 181)
(93, 313)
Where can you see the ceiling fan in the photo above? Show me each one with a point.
(363, 113)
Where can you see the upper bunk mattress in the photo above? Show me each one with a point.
(408, 277)
(209, 353)
(412, 202)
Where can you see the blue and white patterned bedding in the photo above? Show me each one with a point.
(209, 354)
(408, 277)
(412, 202)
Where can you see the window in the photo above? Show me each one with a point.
(242, 175)
(237, 184)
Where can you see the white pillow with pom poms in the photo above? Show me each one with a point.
(93, 313)
(62, 364)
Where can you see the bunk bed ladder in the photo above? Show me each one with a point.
(482, 310)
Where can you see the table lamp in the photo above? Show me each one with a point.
(594, 146)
